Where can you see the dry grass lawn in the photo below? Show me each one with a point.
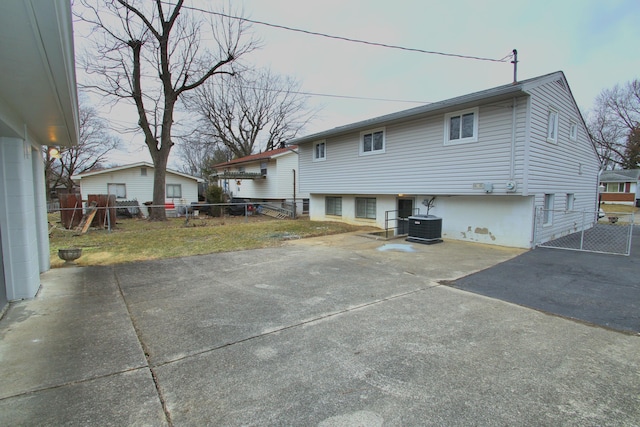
(140, 239)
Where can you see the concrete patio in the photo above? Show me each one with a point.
(332, 331)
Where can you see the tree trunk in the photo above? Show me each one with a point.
(158, 212)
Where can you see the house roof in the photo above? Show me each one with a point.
(260, 156)
(623, 175)
(131, 166)
(472, 99)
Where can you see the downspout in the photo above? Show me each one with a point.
(512, 165)
(294, 193)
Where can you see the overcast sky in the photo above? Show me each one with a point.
(596, 43)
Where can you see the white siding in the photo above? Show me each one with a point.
(565, 167)
(138, 187)
(417, 161)
(277, 185)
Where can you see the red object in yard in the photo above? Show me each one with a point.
(169, 206)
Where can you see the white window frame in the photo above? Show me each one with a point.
(547, 212)
(372, 132)
(337, 210)
(316, 156)
(573, 131)
(117, 186)
(571, 198)
(461, 140)
(166, 189)
(553, 120)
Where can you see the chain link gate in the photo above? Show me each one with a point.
(588, 231)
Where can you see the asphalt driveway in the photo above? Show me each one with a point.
(595, 288)
(336, 331)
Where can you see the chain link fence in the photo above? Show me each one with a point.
(589, 231)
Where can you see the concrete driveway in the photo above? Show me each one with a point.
(334, 331)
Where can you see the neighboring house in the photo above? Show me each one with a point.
(621, 187)
(135, 182)
(38, 107)
(270, 177)
(491, 159)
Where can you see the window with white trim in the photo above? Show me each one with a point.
(333, 206)
(372, 142)
(616, 187)
(573, 131)
(548, 209)
(120, 190)
(319, 151)
(174, 191)
(570, 201)
(366, 207)
(552, 126)
(461, 127)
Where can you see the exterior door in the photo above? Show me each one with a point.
(405, 210)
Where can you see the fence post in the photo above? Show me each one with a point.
(582, 231)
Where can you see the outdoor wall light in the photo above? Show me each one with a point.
(54, 152)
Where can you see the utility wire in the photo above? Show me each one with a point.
(314, 33)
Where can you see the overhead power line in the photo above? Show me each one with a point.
(352, 40)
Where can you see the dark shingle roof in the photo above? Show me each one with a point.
(622, 175)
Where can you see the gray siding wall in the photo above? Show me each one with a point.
(417, 161)
(565, 167)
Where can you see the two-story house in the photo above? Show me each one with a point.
(493, 160)
(268, 178)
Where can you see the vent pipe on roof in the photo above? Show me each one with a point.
(515, 66)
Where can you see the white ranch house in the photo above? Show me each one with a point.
(491, 159)
(38, 107)
(621, 187)
(270, 177)
(135, 182)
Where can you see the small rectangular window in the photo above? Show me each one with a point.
(174, 191)
(461, 127)
(552, 126)
(263, 168)
(319, 151)
(573, 131)
(365, 207)
(333, 206)
(548, 209)
(143, 171)
(120, 190)
(570, 199)
(372, 142)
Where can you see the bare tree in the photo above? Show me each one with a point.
(150, 53)
(94, 144)
(199, 155)
(614, 122)
(252, 111)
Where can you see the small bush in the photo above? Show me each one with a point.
(213, 195)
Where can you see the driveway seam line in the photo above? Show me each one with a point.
(284, 328)
(145, 350)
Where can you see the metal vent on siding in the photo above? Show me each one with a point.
(560, 83)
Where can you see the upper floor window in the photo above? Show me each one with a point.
(319, 151)
(372, 142)
(573, 131)
(552, 126)
(461, 126)
(120, 190)
(174, 191)
(143, 171)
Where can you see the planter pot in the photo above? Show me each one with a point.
(69, 255)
